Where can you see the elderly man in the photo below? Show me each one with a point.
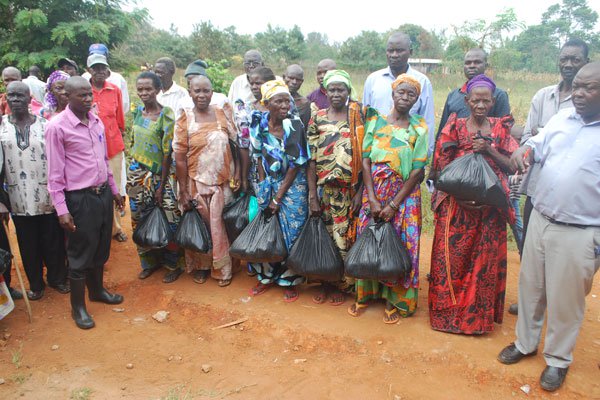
(319, 95)
(109, 106)
(82, 189)
(36, 86)
(378, 86)
(69, 66)
(294, 77)
(171, 93)
(240, 87)
(9, 75)
(113, 77)
(562, 247)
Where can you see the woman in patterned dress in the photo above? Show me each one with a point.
(280, 152)
(468, 260)
(394, 156)
(150, 175)
(335, 137)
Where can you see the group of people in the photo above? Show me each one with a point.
(326, 155)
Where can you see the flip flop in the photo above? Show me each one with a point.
(200, 276)
(259, 289)
(388, 314)
(224, 282)
(339, 302)
(357, 307)
(294, 295)
(322, 292)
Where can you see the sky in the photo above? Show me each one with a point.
(332, 18)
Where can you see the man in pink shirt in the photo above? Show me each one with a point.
(82, 189)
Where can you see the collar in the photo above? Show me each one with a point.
(388, 71)
(174, 88)
(555, 94)
(573, 115)
(107, 86)
(73, 120)
(323, 90)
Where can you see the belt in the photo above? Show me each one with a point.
(97, 190)
(553, 221)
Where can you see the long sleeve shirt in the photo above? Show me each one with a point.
(76, 155)
(108, 103)
(378, 94)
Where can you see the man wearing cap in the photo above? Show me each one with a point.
(113, 77)
(108, 104)
(171, 93)
(69, 66)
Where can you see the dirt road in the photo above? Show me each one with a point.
(283, 351)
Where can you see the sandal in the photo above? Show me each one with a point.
(355, 309)
(321, 295)
(120, 237)
(291, 295)
(200, 276)
(259, 289)
(337, 298)
(387, 317)
(172, 276)
(224, 282)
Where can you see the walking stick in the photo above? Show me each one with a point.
(14, 247)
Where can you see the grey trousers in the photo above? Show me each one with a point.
(557, 271)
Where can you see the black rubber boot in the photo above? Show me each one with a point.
(78, 311)
(96, 290)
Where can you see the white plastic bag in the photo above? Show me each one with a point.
(6, 302)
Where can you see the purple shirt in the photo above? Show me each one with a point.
(319, 97)
(76, 156)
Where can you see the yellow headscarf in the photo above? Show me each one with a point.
(272, 88)
(404, 78)
(339, 76)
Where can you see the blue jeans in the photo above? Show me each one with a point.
(517, 227)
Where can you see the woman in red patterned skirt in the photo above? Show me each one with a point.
(468, 260)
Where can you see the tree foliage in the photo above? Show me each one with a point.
(571, 18)
(281, 46)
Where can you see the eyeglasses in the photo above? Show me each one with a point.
(251, 63)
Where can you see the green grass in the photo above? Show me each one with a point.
(84, 393)
(17, 356)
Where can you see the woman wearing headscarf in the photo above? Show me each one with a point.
(394, 156)
(150, 175)
(207, 171)
(280, 152)
(335, 136)
(468, 260)
(55, 99)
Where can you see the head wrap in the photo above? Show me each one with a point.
(481, 80)
(197, 67)
(272, 88)
(405, 78)
(51, 100)
(339, 76)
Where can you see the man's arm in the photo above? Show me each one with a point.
(120, 112)
(531, 126)
(55, 154)
(427, 111)
(366, 99)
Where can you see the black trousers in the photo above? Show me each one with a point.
(41, 241)
(89, 246)
(5, 245)
(527, 208)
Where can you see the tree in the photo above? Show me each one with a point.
(425, 44)
(281, 46)
(489, 35)
(210, 42)
(318, 47)
(572, 18)
(42, 31)
(537, 50)
(366, 50)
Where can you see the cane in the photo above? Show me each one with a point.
(14, 246)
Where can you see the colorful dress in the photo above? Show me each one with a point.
(336, 148)
(151, 142)
(394, 153)
(468, 260)
(210, 169)
(242, 116)
(277, 157)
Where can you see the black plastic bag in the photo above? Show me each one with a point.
(5, 259)
(314, 254)
(153, 231)
(261, 241)
(471, 178)
(192, 233)
(236, 216)
(378, 254)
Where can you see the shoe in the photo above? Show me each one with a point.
(145, 273)
(34, 295)
(15, 293)
(172, 276)
(200, 276)
(62, 288)
(511, 355)
(553, 377)
(97, 291)
(79, 313)
(513, 309)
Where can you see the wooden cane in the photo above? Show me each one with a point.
(14, 247)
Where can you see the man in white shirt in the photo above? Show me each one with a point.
(36, 86)
(240, 87)
(171, 94)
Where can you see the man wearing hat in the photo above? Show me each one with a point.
(108, 105)
(113, 77)
(68, 65)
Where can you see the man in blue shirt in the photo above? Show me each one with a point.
(562, 246)
(378, 86)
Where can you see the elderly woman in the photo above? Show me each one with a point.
(468, 260)
(243, 117)
(207, 171)
(394, 156)
(150, 177)
(23, 155)
(280, 152)
(335, 137)
(56, 97)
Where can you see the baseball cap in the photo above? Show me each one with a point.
(65, 61)
(94, 59)
(98, 48)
